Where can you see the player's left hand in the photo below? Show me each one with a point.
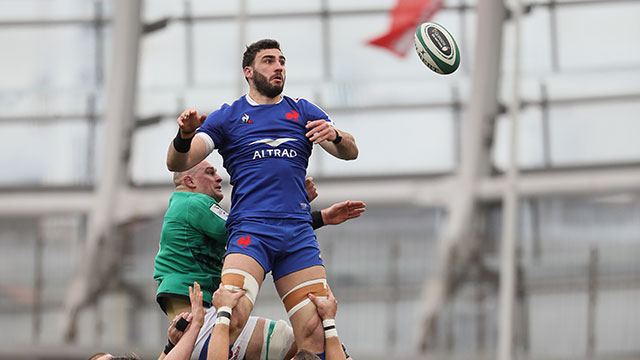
(319, 131)
(197, 311)
(312, 193)
(341, 212)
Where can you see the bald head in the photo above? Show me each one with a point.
(202, 178)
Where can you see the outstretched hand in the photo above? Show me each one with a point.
(189, 121)
(341, 212)
(226, 297)
(197, 311)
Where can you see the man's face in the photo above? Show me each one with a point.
(208, 181)
(269, 72)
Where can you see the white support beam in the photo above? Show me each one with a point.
(475, 164)
(434, 192)
(510, 202)
(119, 119)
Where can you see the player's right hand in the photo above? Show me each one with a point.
(328, 307)
(189, 121)
(226, 297)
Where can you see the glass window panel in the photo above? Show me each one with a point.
(160, 102)
(281, 6)
(58, 153)
(204, 8)
(148, 161)
(47, 58)
(61, 252)
(304, 60)
(207, 100)
(557, 316)
(415, 142)
(353, 59)
(162, 58)
(602, 36)
(617, 324)
(44, 104)
(595, 133)
(357, 4)
(45, 9)
(535, 44)
(391, 92)
(530, 150)
(154, 10)
(150, 143)
(616, 82)
(217, 59)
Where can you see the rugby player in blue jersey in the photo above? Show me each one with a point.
(265, 139)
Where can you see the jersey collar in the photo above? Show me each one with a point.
(254, 103)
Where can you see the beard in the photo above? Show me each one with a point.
(264, 87)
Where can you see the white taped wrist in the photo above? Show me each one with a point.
(224, 315)
(329, 326)
(225, 309)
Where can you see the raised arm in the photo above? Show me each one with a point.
(224, 301)
(327, 309)
(184, 347)
(174, 333)
(186, 149)
(336, 142)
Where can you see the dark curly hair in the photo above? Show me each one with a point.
(252, 50)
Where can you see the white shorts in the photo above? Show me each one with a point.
(238, 349)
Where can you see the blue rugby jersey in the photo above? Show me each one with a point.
(266, 153)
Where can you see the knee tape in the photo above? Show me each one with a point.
(277, 340)
(236, 280)
(297, 297)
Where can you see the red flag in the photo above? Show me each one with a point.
(406, 16)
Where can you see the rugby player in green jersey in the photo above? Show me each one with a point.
(192, 248)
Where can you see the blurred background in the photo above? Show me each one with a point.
(503, 200)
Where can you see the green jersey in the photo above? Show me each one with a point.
(192, 246)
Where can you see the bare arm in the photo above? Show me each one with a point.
(173, 333)
(188, 122)
(341, 212)
(219, 343)
(320, 132)
(327, 309)
(184, 347)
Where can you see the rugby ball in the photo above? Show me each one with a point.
(437, 48)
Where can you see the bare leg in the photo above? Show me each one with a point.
(306, 323)
(242, 311)
(175, 306)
